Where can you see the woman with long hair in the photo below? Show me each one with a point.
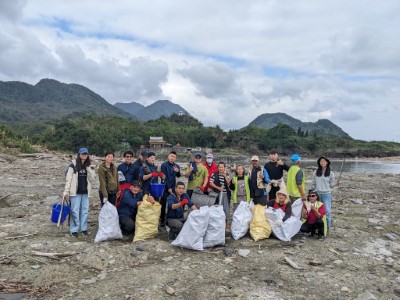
(79, 180)
(323, 181)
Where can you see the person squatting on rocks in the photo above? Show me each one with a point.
(282, 202)
(172, 171)
(313, 215)
(108, 177)
(175, 209)
(126, 171)
(240, 186)
(211, 168)
(130, 200)
(80, 178)
(197, 175)
(275, 168)
(296, 180)
(323, 180)
(220, 182)
(259, 195)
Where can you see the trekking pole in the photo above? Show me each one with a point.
(61, 212)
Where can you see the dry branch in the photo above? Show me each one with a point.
(292, 263)
(19, 236)
(54, 255)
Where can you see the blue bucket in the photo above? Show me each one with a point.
(157, 189)
(55, 213)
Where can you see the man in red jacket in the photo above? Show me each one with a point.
(211, 168)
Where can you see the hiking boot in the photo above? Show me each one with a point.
(172, 235)
(74, 234)
(85, 233)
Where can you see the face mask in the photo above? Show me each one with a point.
(209, 160)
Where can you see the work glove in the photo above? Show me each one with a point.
(105, 200)
(278, 222)
(183, 202)
(274, 182)
(154, 174)
(121, 176)
(202, 188)
(161, 174)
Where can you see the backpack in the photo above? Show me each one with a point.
(71, 165)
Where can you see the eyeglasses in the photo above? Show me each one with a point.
(197, 157)
(312, 196)
(128, 156)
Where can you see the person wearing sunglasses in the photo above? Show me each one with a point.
(313, 216)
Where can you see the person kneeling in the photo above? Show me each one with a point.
(175, 213)
(131, 199)
(282, 202)
(313, 215)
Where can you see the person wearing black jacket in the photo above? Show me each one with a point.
(131, 199)
(275, 168)
(138, 164)
(220, 182)
(259, 195)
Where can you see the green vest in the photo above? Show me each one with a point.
(291, 185)
(246, 187)
(318, 204)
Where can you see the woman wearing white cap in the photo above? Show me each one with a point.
(79, 180)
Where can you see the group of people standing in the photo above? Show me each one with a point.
(129, 183)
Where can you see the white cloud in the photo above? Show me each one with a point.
(225, 62)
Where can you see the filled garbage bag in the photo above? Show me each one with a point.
(259, 227)
(215, 233)
(241, 219)
(282, 230)
(147, 219)
(193, 231)
(108, 224)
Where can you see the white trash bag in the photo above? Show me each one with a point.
(241, 219)
(296, 208)
(108, 224)
(215, 234)
(282, 230)
(194, 229)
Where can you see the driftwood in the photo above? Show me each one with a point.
(292, 263)
(12, 287)
(334, 251)
(19, 236)
(54, 255)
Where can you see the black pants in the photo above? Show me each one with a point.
(272, 192)
(175, 225)
(163, 202)
(190, 193)
(127, 224)
(317, 227)
(112, 198)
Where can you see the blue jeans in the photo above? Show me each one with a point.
(79, 212)
(326, 199)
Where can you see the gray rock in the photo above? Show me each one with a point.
(140, 247)
(357, 201)
(88, 281)
(35, 267)
(228, 251)
(134, 253)
(366, 296)
(374, 221)
(392, 236)
(343, 249)
(396, 291)
(243, 252)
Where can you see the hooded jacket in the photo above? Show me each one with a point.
(71, 184)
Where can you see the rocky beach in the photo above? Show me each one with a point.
(360, 259)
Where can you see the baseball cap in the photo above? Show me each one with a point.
(255, 157)
(209, 155)
(135, 183)
(197, 154)
(83, 151)
(143, 153)
(295, 158)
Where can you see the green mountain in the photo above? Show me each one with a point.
(154, 111)
(22, 102)
(321, 127)
(133, 107)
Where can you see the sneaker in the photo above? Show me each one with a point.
(172, 235)
(74, 234)
(85, 233)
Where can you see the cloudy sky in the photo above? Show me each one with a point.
(226, 62)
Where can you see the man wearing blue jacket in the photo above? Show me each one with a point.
(175, 213)
(127, 168)
(171, 170)
(131, 199)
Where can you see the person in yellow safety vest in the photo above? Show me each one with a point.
(313, 215)
(240, 187)
(296, 180)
